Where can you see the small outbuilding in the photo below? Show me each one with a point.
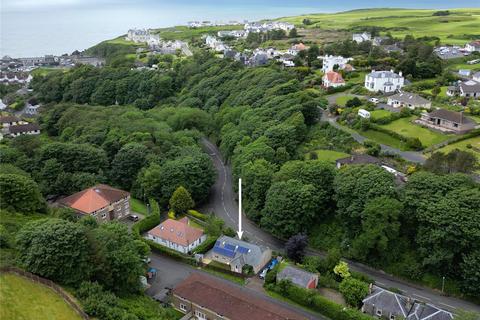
(299, 277)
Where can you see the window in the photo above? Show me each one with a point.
(104, 215)
(379, 312)
(392, 317)
(183, 307)
(200, 315)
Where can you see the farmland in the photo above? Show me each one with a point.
(450, 29)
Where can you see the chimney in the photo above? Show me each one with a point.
(400, 73)
(391, 70)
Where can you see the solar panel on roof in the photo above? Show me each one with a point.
(229, 247)
(242, 249)
(224, 252)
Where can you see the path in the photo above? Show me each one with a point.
(222, 202)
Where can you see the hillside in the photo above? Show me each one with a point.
(460, 26)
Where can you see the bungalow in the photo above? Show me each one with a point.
(385, 304)
(469, 89)
(21, 129)
(177, 235)
(298, 277)
(361, 37)
(447, 121)
(237, 253)
(410, 100)
(7, 121)
(333, 79)
(201, 296)
(384, 81)
(102, 202)
(473, 46)
(476, 77)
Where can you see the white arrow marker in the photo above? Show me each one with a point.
(240, 232)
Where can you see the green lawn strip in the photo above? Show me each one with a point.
(384, 138)
(21, 299)
(342, 100)
(405, 127)
(138, 206)
(462, 145)
(442, 94)
(378, 114)
(219, 265)
(226, 276)
(328, 155)
(293, 303)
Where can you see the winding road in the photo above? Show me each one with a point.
(223, 203)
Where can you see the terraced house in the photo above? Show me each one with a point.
(102, 202)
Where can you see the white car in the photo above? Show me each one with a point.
(263, 273)
(374, 100)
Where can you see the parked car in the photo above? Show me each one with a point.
(272, 264)
(133, 217)
(263, 274)
(147, 260)
(374, 100)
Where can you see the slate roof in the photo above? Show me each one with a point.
(397, 304)
(384, 74)
(359, 159)
(452, 116)
(9, 119)
(230, 301)
(410, 98)
(94, 198)
(177, 231)
(234, 249)
(23, 128)
(470, 86)
(297, 276)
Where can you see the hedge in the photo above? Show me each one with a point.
(197, 215)
(158, 248)
(411, 142)
(149, 222)
(314, 301)
(205, 246)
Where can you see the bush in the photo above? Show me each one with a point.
(271, 276)
(197, 215)
(314, 301)
(149, 222)
(353, 290)
(206, 245)
(229, 232)
(171, 215)
(328, 281)
(158, 248)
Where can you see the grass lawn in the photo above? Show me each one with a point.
(405, 127)
(378, 114)
(462, 145)
(328, 155)
(138, 206)
(384, 138)
(288, 301)
(341, 101)
(22, 299)
(442, 94)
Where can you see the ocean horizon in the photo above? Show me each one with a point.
(35, 28)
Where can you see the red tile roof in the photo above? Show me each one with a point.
(334, 77)
(178, 232)
(230, 301)
(94, 198)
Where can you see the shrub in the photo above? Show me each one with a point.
(206, 245)
(328, 281)
(353, 291)
(149, 222)
(271, 276)
(229, 232)
(158, 248)
(247, 269)
(181, 200)
(171, 215)
(197, 215)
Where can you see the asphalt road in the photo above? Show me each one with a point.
(223, 203)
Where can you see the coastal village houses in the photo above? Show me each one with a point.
(201, 296)
(177, 235)
(329, 63)
(473, 46)
(333, 79)
(384, 81)
(409, 100)
(361, 37)
(102, 202)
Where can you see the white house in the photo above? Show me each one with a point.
(473, 46)
(20, 129)
(410, 100)
(384, 81)
(476, 77)
(364, 113)
(361, 37)
(333, 79)
(142, 35)
(330, 61)
(177, 235)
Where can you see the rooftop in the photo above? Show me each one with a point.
(296, 275)
(408, 97)
(94, 198)
(334, 77)
(21, 128)
(230, 301)
(457, 117)
(384, 74)
(237, 249)
(177, 231)
(8, 119)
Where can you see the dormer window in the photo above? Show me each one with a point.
(379, 312)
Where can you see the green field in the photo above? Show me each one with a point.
(450, 29)
(186, 33)
(138, 206)
(328, 155)
(22, 299)
(342, 100)
(443, 91)
(462, 145)
(406, 128)
(384, 138)
(378, 114)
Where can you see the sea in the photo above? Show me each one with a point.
(38, 27)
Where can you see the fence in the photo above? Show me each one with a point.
(52, 285)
